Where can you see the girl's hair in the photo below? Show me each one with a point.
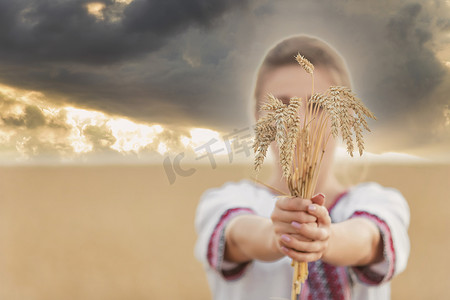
(318, 52)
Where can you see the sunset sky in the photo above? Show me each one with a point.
(114, 81)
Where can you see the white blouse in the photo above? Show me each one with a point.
(259, 280)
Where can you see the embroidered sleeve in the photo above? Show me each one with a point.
(380, 272)
(216, 246)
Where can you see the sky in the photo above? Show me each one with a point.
(95, 81)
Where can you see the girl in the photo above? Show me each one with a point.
(354, 239)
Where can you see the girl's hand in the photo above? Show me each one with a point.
(289, 210)
(315, 238)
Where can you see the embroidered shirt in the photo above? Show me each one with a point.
(386, 207)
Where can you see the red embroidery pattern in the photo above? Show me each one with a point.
(216, 245)
(365, 274)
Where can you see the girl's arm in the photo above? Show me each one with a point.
(250, 237)
(355, 242)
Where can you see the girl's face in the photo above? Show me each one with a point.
(292, 81)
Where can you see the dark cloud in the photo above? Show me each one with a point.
(60, 30)
(34, 117)
(100, 137)
(58, 48)
(410, 69)
(31, 118)
(172, 138)
(192, 63)
(13, 121)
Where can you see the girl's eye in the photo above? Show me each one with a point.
(315, 106)
(285, 100)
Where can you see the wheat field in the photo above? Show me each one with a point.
(123, 232)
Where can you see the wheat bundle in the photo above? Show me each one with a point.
(302, 146)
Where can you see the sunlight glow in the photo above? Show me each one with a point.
(125, 1)
(70, 132)
(131, 136)
(78, 116)
(20, 146)
(446, 113)
(162, 148)
(78, 119)
(185, 141)
(96, 9)
(5, 137)
(201, 136)
(206, 140)
(385, 157)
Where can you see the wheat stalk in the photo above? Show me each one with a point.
(302, 148)
(306, 64)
